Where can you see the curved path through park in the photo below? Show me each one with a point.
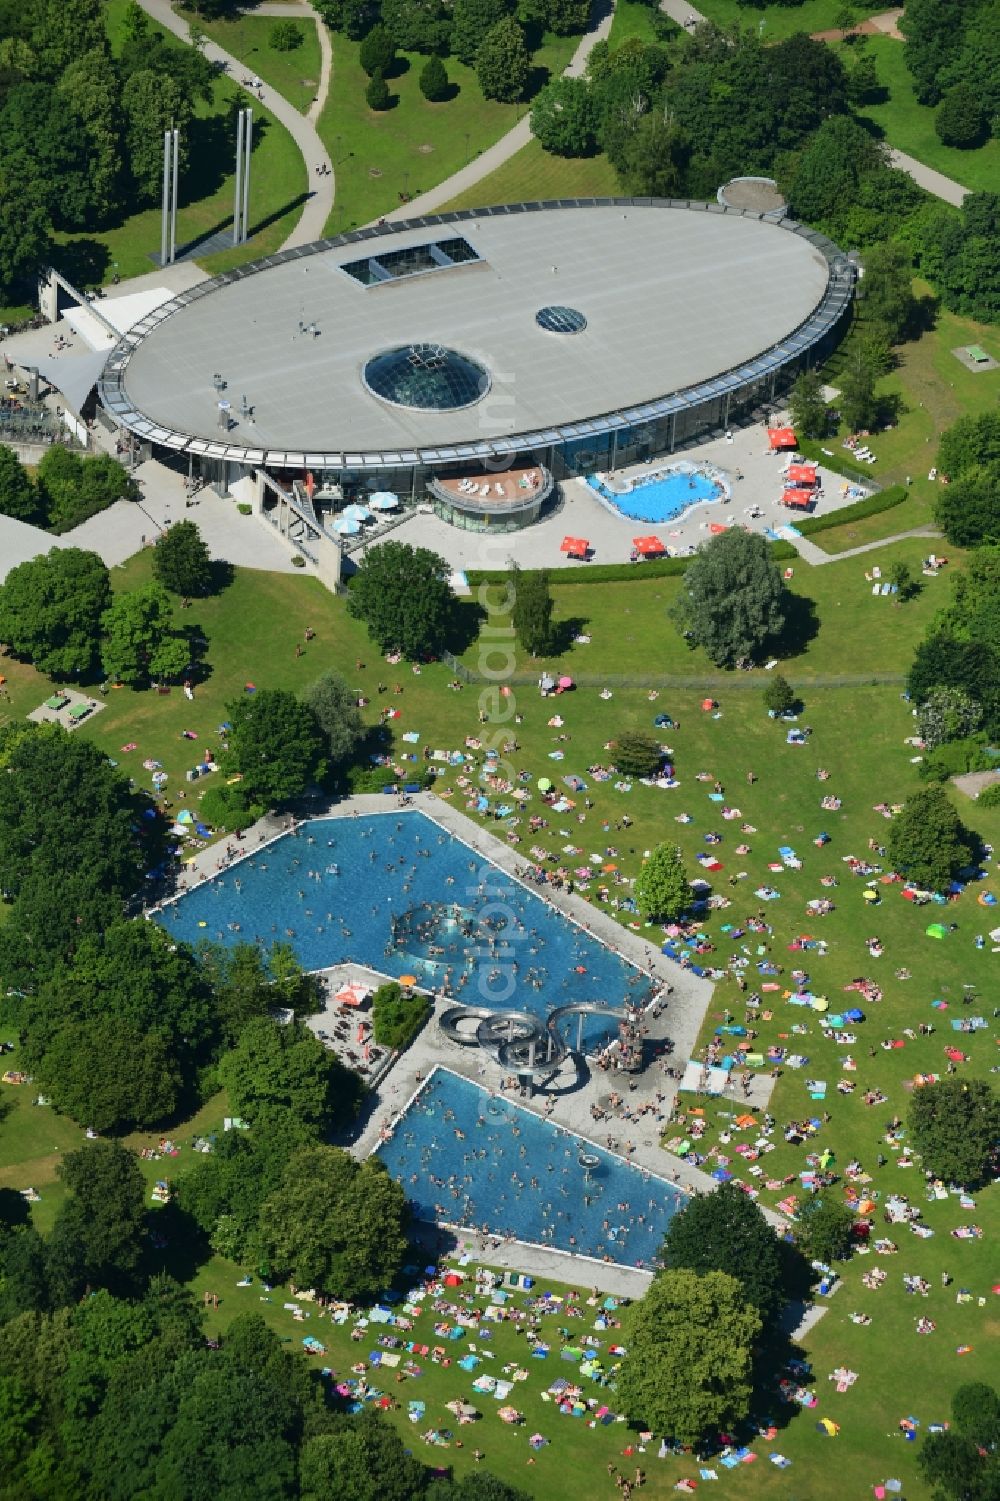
(932, 182)
(508, 145)
(312, 221)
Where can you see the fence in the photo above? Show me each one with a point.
(716, 683)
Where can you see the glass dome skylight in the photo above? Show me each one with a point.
(428, 377)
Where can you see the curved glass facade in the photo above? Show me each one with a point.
(426, 377)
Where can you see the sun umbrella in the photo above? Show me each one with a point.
(407, 979)
(544, 785)
(565, 683)
(357, 513)
(781, 437)
(717, 527)
(576, 547)
(185, 816)
(347, 527)
(385, 500)
(648, 545)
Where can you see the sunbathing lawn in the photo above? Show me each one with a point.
(858, 734)
(780, 21)
(533, 174)
(408, 148)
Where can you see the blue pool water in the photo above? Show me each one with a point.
(397, 893)
(662, 499)
(514, 1173)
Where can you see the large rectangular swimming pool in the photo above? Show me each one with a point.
(468, 1157)
(399, 894)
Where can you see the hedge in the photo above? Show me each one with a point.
(398, 1017)
(614, 573)
(885, 500)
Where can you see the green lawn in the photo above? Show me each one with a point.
(279, 183)
(294, 75)
(407, 149)
(909, 126)
(858, 735)
(779, 21)
(632, 18)
(533, 174)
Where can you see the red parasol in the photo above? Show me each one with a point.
(648, 546)
(781, 437)
(576, 547)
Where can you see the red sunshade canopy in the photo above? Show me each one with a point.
(802, 474)
(353, 995)
(648, 545)
(781, 437)
(800, 498)
(716, 527)
(575, 546)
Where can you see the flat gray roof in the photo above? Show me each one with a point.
(674, 296)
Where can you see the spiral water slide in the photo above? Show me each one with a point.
(520, 1040)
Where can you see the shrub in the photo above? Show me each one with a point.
(227, 807)
(885, 500)
(398, 1016)
(990, 796)
(638, 755)
(286, 36)
(377, 93)
(298, 561)
(244, 508)
(377, 53)
(779, 696)
(956, 758)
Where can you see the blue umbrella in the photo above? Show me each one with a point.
(385, 500)
(357, 513)
(347, 527)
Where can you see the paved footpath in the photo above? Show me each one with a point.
(312, 221)
(815, 555)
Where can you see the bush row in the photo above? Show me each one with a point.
(885, 500)
(614, 573)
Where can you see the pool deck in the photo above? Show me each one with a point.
(574, 1090)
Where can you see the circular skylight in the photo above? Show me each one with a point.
(561, 320)
(427, 377)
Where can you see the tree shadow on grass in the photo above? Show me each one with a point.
(184, 1246)
(467, 620)
(801, 626)
(564, 633)
(84, 262)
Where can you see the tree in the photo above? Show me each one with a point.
(287, 1068)
(472, 20)
(653, 157)
(531, 615)
(134, 23)
(564, 117)
(404, 597)
(824, 1228)
(335, 708)
(286, 36)
(638, 754)
(377, 53)
(417, 25)
(25, 230)
(968, 510)
(152, 102)
(779, 696)
(975, 1410)
(335, 1224)
(973, 442)
(73, 488)
(960, 119)
(47, 148)
(886, 290)
(434, 84)
(18, 496)
(377, 94)
(829, 168)
(807, 406)
(955, 1125)
(354, 18)
(104, 1212)
(139, 641)
(928, 841)
(726, 1232)
(181, 560)
(902, 580)
(91, 88)
(733, 600)
(934, 31)
(502, 62)
(365, 1461)
(948, 714)
(952, 1463)
(689, 1341)
(75, 844)
(51, 609)
(662, 888)
(863, 83)
(107, 1075)
(857, 398)
(274, 744)
(960, 254)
